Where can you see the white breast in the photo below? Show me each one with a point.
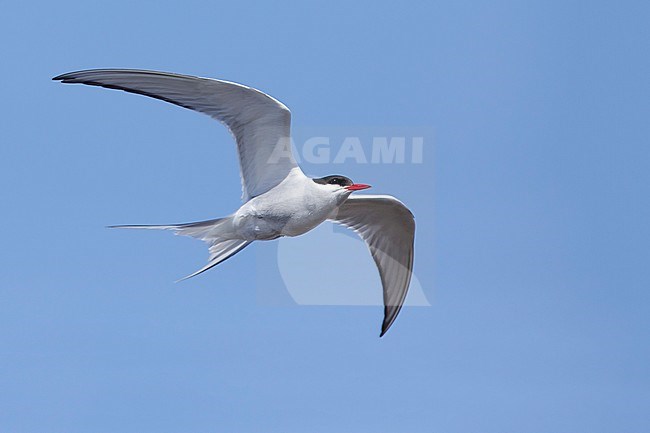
(294, 207)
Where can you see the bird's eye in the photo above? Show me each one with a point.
(335, 181)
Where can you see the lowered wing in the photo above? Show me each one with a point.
(388, 228)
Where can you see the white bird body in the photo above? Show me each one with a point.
(292, 208)
(278, 199)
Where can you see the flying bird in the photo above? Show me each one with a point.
(278, 198)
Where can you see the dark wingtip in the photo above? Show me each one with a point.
(68, 77)
(386, 324)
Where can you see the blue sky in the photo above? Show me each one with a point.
(531, 204)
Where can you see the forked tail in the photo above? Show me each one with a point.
(217, 233)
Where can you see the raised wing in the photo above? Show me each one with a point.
(388, 227)
(258, 122)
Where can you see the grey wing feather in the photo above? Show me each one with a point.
(257, 121)
(388, 228)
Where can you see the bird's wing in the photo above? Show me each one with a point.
(258, 122)
(388, 227)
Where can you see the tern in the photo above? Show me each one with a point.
(278, 198)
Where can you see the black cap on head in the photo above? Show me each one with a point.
(336, 179)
